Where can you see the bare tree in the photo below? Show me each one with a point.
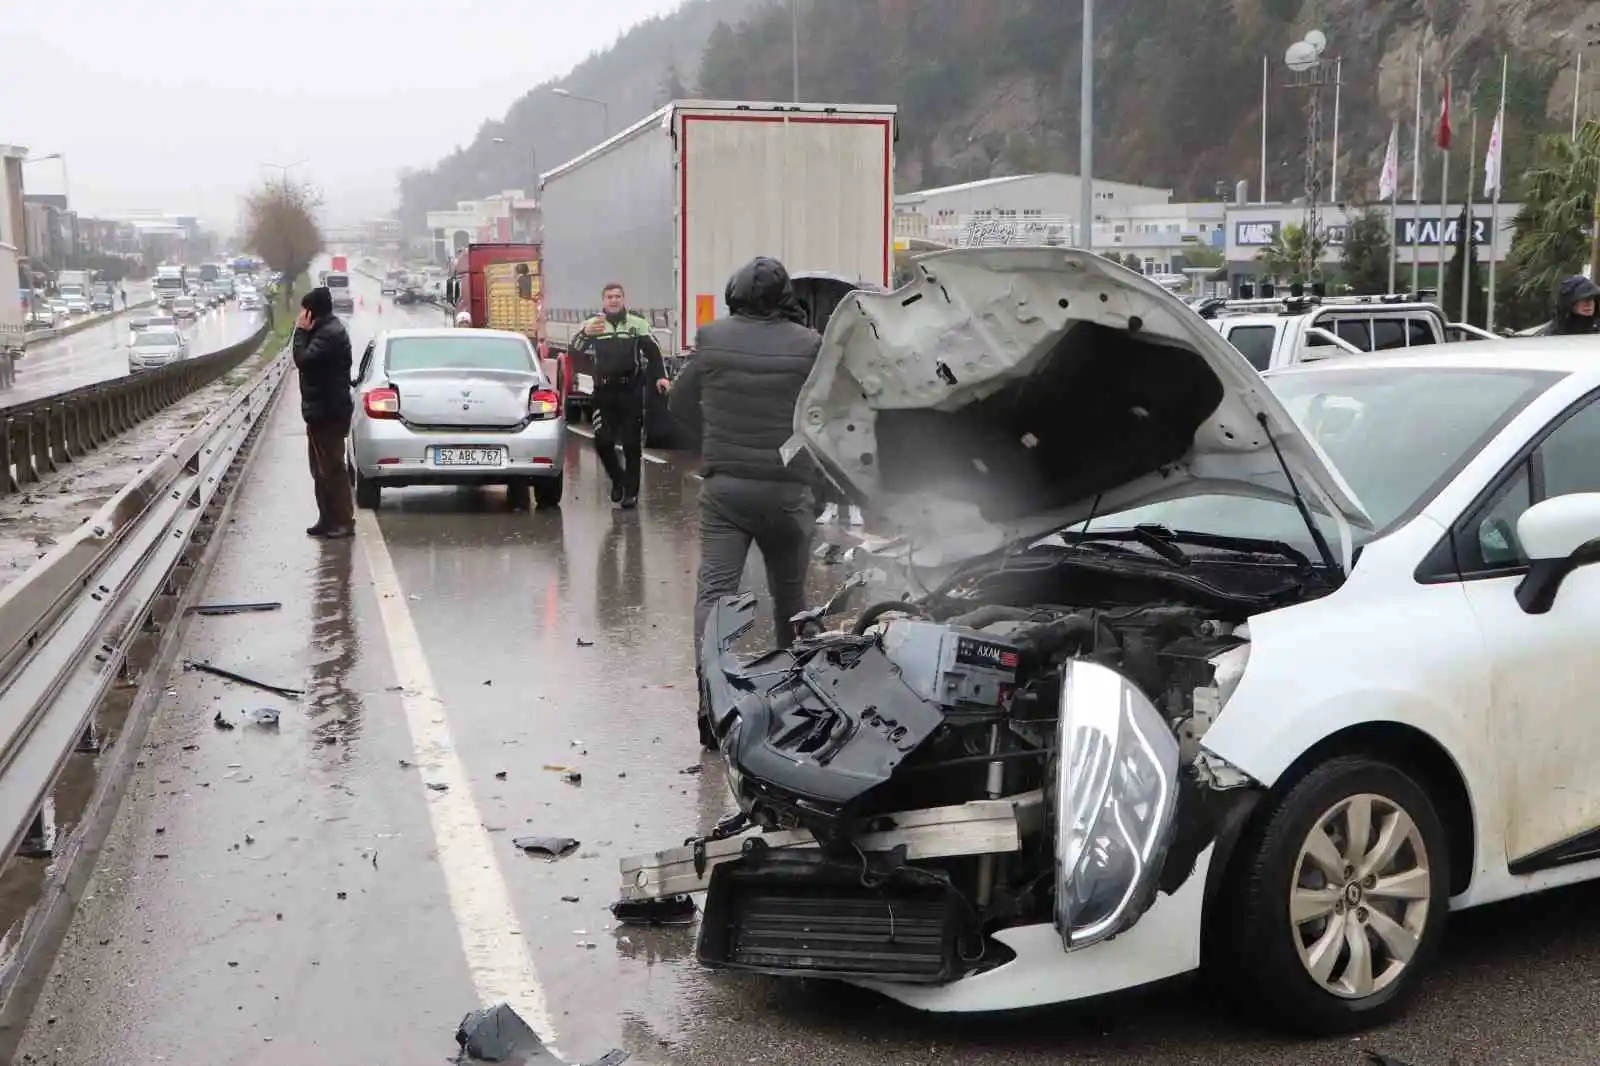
(280, 225)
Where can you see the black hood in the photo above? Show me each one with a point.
(1574, 289)
(761, 289)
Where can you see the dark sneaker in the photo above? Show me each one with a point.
(630, 502)
(616, 493)
(317, 530)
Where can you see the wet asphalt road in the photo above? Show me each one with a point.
(299, 895)
(100, 353)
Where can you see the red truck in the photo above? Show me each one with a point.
(502, 287)
(341, 265)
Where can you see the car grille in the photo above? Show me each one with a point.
(822, 922)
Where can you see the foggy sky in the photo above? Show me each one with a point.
(174, 105)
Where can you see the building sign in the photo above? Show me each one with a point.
(985, 232)
(1336, 236)
(1258, 234)
(1425, 231)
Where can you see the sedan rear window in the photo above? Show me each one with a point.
(466, 351)
(157, 339)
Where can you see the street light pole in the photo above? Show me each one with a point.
(1086, 135)
(605, 108)
(794, 47)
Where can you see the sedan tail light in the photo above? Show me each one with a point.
(543, 404)
(381, 403)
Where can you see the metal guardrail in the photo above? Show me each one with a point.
(40, 436)
(68, 624)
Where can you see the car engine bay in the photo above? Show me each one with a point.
(958, 698)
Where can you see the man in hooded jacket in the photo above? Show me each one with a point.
(739, 391)
(1576, 307)
(322, 356)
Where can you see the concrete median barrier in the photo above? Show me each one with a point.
(41, 436)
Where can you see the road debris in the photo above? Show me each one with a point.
(572, 777)
(672, 910)
(695, 769)
(262, 716)
(438, 786)
(235, 608)
(585, 643)
(550, 848)
(217, 671)
(498, 1034)
(222, 723)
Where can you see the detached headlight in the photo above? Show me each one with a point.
(1118, 789)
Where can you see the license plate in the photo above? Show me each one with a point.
(469, 457)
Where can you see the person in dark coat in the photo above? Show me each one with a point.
(1576, 307)
(322, 356)
(738, 391)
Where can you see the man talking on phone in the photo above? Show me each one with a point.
(626, 356)
(322, 356)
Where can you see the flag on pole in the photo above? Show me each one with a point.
(1491, 162)
(1444, 116)
(1390, 180)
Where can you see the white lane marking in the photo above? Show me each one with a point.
(588, 434)
(497, 953)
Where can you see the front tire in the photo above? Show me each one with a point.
(1337, 899)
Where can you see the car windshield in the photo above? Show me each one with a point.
(157, 339)
(1397, 435)
(464, 351)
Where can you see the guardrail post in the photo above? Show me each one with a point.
(55, 434)
(39, 442)
(89, 742)
(40, 841)
(22, 449)
(8, 480)
(77, 428)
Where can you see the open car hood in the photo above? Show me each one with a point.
(1007, 393)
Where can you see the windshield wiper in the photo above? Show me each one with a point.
(1157, 538)
(1300, 502)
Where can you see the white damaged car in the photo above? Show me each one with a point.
(1197, 672)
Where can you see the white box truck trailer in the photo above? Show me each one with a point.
(671, 206)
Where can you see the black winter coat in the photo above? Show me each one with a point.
(323, 357)
(740, 386)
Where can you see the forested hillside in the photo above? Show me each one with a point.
(990, 87)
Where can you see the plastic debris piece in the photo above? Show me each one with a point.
(572, 777)
(551, 848)
(569, 899)
(695, 769)
(672, 910)
(267, 716)
(229, 675)
(235, 608)
(498, 1034)
(438, 786)
(501, 776)
(222, 723)
(585, 643)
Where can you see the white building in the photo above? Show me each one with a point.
(510, 215)
(1136, 220)
(1045, 204)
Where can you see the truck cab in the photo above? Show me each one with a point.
(1276, 333)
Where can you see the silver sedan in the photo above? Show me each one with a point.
(456, 407)
(152, 348)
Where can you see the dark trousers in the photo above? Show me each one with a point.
(329, 478)
(774, 515)
(619, 420)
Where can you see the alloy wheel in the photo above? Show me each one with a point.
(1360, 895)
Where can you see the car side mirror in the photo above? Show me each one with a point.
(1558, 535)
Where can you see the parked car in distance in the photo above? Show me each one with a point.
(457, 407)
(152, 348)
(45, 316)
